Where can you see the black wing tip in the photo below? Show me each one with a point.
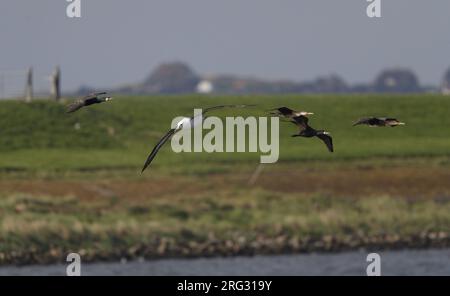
(144, 168)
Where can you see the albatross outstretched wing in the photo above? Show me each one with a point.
(328, 140)
(226, 106)
(157, 147)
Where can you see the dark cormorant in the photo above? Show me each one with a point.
(93, 98)
(308, 132)
(379, 121)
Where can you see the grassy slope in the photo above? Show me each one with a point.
(120, 134)
(228, 219)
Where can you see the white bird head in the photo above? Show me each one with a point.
(183, 123)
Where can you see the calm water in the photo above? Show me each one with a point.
(421, 262)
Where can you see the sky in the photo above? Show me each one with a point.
(116, 42)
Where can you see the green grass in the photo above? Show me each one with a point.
(40, 136)
(39, 141)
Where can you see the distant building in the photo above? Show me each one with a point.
(445, 88)
(171, 78)
(397, 81)
(205, 87)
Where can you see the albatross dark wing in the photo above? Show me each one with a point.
(327, 140)
(157, 147)
(226, 106)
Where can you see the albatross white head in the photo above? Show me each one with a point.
(185, 122)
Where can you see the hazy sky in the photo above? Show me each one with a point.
(117, 41)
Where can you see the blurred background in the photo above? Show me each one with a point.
(72, 183)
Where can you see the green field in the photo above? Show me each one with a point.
(119, 135)
(72, 182)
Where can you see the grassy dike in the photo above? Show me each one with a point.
(79, 190)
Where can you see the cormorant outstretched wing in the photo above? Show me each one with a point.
(95, 94)
(157, 147)
(285, 111)
(77, 104)
(328, 140)
(370, 121)
(301, 121)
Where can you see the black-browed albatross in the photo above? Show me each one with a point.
(90, 99)
(308, 132)
(180, 125)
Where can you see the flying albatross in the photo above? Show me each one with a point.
(308, 132)
(186, 122)
(379, 121)
(93, 98)
(288, 113)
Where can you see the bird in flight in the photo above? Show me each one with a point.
(288, 113)
(308, 132)
(379, 121)
(185, 122)
(93, 98)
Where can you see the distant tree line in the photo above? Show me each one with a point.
(177, 78)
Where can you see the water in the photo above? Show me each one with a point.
(407, 262)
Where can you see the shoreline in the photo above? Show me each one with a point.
(281, 245)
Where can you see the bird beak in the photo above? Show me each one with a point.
(401, 123)
(108, 99)
(309, 113)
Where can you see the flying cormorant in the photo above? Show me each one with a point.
(93, 98)
(308, 132)
(379, 121)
